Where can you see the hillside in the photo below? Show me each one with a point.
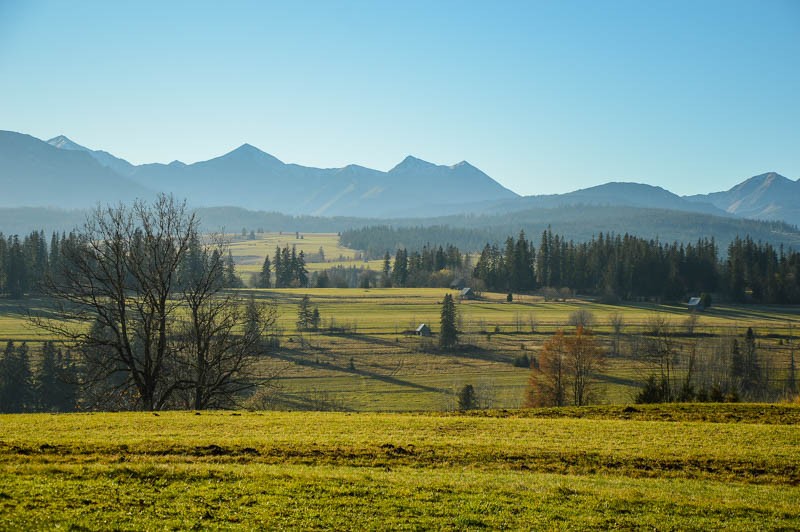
(36, 174)
(613, 194)
(578, 222)
(250, 178)
(769, 196)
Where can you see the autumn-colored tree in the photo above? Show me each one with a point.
(547, 385)
(564, 371)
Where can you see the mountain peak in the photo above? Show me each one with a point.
(64, 143)
(763, 181)
(411, 163)
(251, 153)
(773, 176)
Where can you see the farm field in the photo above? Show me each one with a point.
(249, 254)
(364, 359)
(662, 467)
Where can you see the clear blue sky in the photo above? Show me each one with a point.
(543, 96)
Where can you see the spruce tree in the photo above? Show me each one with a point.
(231, 279)
(278, 268)
(448, 335)
(387, 270)
(6, 380)
(47, 379)
(304, 313)
(315, 319)
(265, 277)
(301, 271)
(16, 382)
(466, 398)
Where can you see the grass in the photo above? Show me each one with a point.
(375, 366)
(512, 469)
(364, 360)
(249, 254)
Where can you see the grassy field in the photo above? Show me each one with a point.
(662, 467)
(363, 358)
(249, 254)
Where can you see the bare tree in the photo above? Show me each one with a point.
(581, 318)
(617, 323)
(215, 360)
(660, 348)
(583, 358)
(140, 277)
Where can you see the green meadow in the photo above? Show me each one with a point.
(358, 429)
(364, 357)
(659, 467)
(249, 254)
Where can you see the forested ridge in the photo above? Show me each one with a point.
(581, 223)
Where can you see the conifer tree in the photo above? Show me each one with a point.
(265, 276)
(47, 383)
(16, 380)
(278, 268)
(448, 334)
(305, 315)
(231, 279)
(301, 273)
(315, 318)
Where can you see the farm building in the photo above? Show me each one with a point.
(467, 293)
(423, 330)
(695, 303)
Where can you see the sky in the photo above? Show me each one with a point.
(545, 97)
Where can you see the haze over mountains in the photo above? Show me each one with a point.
(62, 173)
(250, 178)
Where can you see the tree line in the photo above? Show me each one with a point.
(27, 262)
(52, 386)
(609, 266)
(622, 266)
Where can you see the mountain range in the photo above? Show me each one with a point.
(62, 173)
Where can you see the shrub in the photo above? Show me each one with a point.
(466, 398)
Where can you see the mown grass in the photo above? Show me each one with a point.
(512, 469)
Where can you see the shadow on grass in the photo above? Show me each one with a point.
(297, 359)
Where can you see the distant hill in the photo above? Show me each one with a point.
(34, 173)
(767, 196)
(64, 174)
(608, 194)
(578, 222)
